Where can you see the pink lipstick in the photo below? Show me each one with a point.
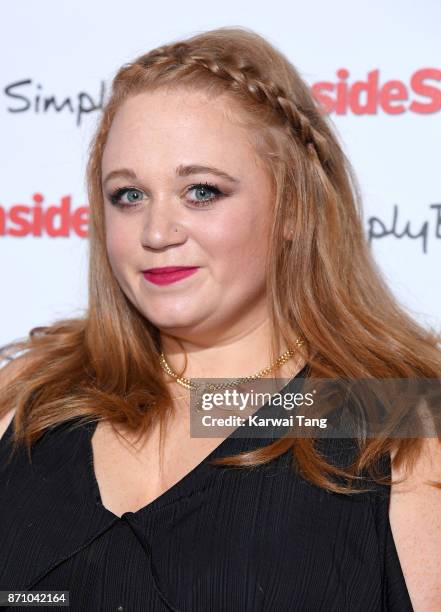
(169, 274)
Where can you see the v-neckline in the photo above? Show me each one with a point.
(197, 476)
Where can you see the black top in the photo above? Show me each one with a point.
(221, 539)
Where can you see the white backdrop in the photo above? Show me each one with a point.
(390, 127)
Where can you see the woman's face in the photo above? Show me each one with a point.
(187, 189)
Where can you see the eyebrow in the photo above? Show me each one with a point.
(181, 170)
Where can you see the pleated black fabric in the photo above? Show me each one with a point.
(221, 539)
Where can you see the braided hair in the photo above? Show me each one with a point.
(233, 63)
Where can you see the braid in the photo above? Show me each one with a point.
(243, 76)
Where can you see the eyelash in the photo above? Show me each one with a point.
(116, 195)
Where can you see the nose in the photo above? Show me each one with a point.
(162, 225)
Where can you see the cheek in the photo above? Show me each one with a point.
(119, 244)
(240, 242)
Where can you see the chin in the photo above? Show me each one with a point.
(172, 321)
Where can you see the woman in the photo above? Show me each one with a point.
(212, 155)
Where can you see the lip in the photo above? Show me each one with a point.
(169, 274)
(167, 269)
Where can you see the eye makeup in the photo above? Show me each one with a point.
(116, 196)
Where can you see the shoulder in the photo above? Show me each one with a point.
(426, 467)
(7, 374)
(5, 420)
(415, 517)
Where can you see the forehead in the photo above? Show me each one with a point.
(179, 123)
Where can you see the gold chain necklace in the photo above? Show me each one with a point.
(186, 382)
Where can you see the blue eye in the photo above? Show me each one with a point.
(134, 196)
(204, 189)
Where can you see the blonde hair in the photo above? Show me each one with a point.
(323, 285)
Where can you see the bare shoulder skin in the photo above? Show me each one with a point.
(415, 518)
(6, 373)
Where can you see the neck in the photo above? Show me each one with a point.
(236, 357)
